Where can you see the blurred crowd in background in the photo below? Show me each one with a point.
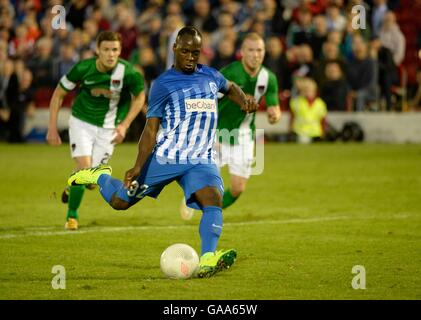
(355, 69)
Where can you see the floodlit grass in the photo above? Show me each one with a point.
(315, 212)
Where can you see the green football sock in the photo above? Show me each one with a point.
(228, 199)
(75, 198)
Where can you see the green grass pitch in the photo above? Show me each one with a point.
(301, 226)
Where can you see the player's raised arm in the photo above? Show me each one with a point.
(235, 94)
(146, 144)
(53, 138)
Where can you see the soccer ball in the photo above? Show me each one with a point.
(179, 261)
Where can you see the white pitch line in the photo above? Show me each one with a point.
(140, 228)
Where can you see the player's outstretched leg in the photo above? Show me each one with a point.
(89, 176)
(109, 187)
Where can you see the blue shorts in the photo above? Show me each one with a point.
(155, 176)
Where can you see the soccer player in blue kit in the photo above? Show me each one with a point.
(177, 145)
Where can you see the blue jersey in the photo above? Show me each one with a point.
(187, 107)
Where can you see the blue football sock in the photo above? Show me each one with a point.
(108, 186)
(210, 228)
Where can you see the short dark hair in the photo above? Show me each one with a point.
(108, 36)
(189, 30)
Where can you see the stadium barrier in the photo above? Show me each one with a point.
(378, 127)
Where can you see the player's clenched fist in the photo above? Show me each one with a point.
(274, 114)
(130, 176)
(250, 105)
(53, 138)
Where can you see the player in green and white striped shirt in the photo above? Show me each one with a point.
(111, 95)
(237, 148)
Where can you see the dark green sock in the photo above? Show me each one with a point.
(75, 198)
(228, 199)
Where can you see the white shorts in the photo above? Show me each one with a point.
(238, 157)
(89, 140)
